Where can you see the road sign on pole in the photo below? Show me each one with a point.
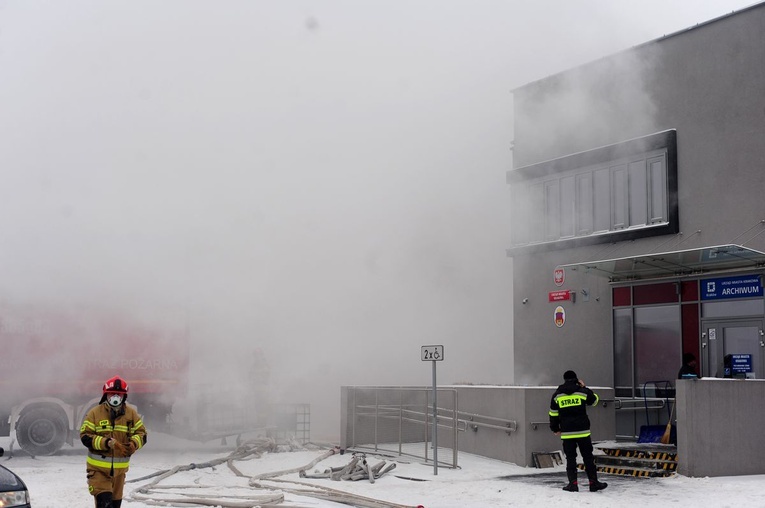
(434, 354)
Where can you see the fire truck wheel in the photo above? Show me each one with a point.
(41, 431)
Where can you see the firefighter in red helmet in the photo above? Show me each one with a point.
(112, 431)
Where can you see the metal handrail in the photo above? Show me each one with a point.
(507, 425)
(655, 403)
(482, 417)
(511, 426)
(376, 412)
(658, 386)
(621, 405)
(602, 402)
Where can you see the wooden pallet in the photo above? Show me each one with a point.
(642, 460)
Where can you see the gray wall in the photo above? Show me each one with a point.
(706, 83)
(527, 406)
(719, 424)
(543, 352)
(719, 427)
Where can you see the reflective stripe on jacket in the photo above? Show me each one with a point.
(101, 423)
(105, 462)
(568, 410)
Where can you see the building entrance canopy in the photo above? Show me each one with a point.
(674, 264)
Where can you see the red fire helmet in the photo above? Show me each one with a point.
(115, 385)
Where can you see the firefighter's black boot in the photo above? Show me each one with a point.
(116, 503)
(104, 500)
(572, 487)
(595, 485)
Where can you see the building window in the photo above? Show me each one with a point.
(601, 201)
(657, 343)
(651, 332)
(622, 296)
(552, 211)
(568, 209)
(665, 292)
(609, 194)
(585, 217)
(733, 308)
(657, 178)
(596, 200)
(623, 380)
(690, 316)
(639, 193)
(618, 198)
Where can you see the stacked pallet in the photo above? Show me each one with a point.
(638, 459)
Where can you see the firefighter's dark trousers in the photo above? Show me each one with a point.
(585, 448)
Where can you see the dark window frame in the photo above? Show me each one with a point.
(666, 140)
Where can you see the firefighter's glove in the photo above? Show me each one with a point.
(119, 448)
(130, 448)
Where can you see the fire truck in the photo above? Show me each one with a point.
(54, 361)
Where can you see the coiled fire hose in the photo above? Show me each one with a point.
(152, 494)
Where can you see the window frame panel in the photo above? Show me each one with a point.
(585, 204)
(657, 189)
(576, 208)
(552, 210)
(619, 197)
(638, 192)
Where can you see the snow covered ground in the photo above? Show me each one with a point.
(59, 481)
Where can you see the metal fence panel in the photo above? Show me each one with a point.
(399, 421)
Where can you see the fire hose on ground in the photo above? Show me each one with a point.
(152, 493)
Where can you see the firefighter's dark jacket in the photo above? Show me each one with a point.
(101, 423)
(568, 410)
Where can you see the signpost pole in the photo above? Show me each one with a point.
(433, 354)
(435, 422)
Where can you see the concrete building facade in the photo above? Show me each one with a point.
(638, 236)
(638, 229)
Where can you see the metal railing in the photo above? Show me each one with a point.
(628, 405)
(474, 421)
(399, 420)
(650, 405)
(640, 404)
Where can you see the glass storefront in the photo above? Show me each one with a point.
(655, 324)
(657, 349)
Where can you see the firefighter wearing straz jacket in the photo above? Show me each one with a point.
(568, 419)
(112, 432)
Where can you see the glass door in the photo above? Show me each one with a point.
(730, 348)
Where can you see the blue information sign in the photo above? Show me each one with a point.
(744, 286)
(740, 364)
